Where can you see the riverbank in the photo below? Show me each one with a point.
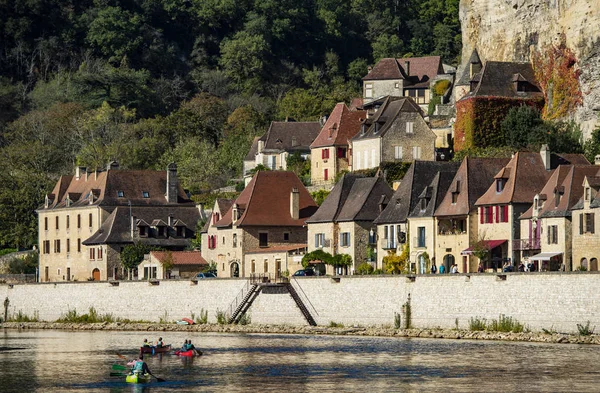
(375, 331)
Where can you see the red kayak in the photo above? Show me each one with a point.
(189, 352)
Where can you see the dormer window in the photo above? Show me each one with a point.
(535, 203)
(500, 183)
(423, 204)
(120, 194)
(145, 194)
(142, 230)
(294, 141)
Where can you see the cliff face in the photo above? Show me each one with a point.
(511, 30)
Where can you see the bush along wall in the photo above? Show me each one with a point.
(479, 119)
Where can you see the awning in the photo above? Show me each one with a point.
(544, 256)
(490, 244)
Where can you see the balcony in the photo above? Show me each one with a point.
(388, 245)
(526, 244)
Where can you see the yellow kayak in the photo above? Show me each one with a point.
(138, 378)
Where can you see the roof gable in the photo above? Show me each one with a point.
(419, 72)
(498, 79)
(340, 127)
(291, 135)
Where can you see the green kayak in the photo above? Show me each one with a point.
(138, 378)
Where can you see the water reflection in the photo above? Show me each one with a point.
(58, 361)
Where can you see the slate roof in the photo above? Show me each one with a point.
(340, 127)
(181, 257)
(433, 193)
(253, 150)
(471, 181)
(353, 198)
(567, 180)
(290, 135)
(116, 229)
(404, 199)
(496, 80)
(266, 201)
(420, 72)
(105, 186)
(465, 78)
(391, 108)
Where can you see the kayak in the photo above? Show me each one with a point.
(153, 350)
(189, 352)
(138, 378)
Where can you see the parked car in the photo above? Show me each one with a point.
(206, 275)
(305, 272)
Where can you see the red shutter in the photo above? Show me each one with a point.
(323, 154)
(505, 213)
(326, 174)
(481, 215)
(497, 214)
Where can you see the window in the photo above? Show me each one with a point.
(401, 235)
(57, 246)
(454, 198)
(486, 215)
(263, 239)
(142, 230)
(180, 232)
(421, 92)
(398, 152)
(92, 253)
(423, 204)
(345, 239)
(421, 238)
(325, 154)
(235, 240)
(78, 221)
(589, 222)
(161, 231)
(500, 183)
(120, 194)
(391, 240)
(410, 127)
(56, 222)
(368, 90)
(325, 174)
(502, 213)
(78, 245)
(588, 193)
(552, 234)
(416, 152)
(286, 236)
(68, 246)
(100, 256)
(253, 267)
(90, 220)
(319, 240)
(341, 152)
(46, 246)
(223, 239)
(397, 85)
(45, 223)
(266, 266)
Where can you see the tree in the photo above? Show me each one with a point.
(317, 255)
(167, 263)
(341, 261)
(523, 127)
(24, 265)
(243, 59)
(132, 255)
(396, 264)
(592, 145)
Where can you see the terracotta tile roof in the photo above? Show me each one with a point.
(391, 109)
(279, 248)
(356, 103)
(266, 201)
(496, 80)
(340, 127)
(290, 135)
(471, 181)
(404, 199)
(418, 74)
(181, 257)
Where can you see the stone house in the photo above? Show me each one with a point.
(546, 227)
(184, 264)
(281, 139)
(497, 88)
(409, 77)
(392, 222)
(344, 221)
(510, 195)
(330, 151)
(463, 85)
(276, 260)
(89, 218)
(267, 215)
(585, 244)
(421, 223)
(456, 219)
(397, 132)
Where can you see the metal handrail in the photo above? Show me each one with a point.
(304, 293)
(238, 299)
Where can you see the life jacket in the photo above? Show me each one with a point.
(138, 367)
(188, 347)
(160, 344)
(146, 344)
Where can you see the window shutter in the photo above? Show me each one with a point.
(505, 207)
(581, 224)
(549, 235)
(481, 215)
(316, 240)
(497, 213)
(592, 222)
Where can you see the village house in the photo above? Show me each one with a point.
(282, 139)
(268, 216)
(410, 77)
(89, 218)
(546, 225)
(330, 151)
(463, 85)
(509, 197)
(456, 218)
(585, 244)
(171, 264)
(344, 222)
(392, 222)
(397, 132)
(497, 88)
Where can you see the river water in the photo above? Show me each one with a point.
(62, 361)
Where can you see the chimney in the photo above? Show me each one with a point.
(295, 204)
(407, 67)
(234, 213)
(79, 171)
(545, 153)
(261, 146)
(597, 160)
(112, 165)
(172, 183)
(369, 69)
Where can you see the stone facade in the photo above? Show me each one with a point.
(417, 145)
(323, 171)
(273, 263)
(366, 153)
(419, 244)
(453, 238)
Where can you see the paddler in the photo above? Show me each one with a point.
(146, 343)
(139, 366)
(159, 343)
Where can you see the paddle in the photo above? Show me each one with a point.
(117, 374)
(119, 367)
(157, 378)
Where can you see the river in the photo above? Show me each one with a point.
(64, 361)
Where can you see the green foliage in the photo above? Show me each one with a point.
(244, 319)
(505, 324)
(300, 166)
(317, 255)
(477, 324)
(24, 265)
(591, 147)
(343, 260)
(202, 319)
(164, 318)
(396, 264)
(92, 316)
(22, 317)
(133, 255)
(333, 324)
(584, 330)
(7, 251)
(394, 170)
(397, 320)
(440, 87)
(364, 268)
(221, 317)
(320, 196)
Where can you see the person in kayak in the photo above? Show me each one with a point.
(160, 343)
(184, 347)
(146, 343)
(191, 347)
(139, 366)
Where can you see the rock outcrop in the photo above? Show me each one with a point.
(511, 30)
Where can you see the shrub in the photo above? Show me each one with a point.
(22, 317)
(221, 317)
(245, 319)
(440, 87)
(202, 319)
(584, 330)
(397, 320)
(364, 268)
(505, 324)
(336, 324)
(477, 324)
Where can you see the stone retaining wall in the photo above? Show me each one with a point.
(552, 301)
